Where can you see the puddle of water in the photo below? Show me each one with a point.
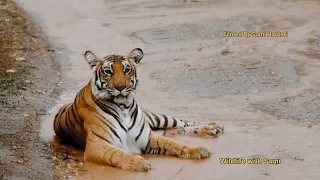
(46, 125)
(230, 145)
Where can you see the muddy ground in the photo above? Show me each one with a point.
(28, 87)
(264, 89)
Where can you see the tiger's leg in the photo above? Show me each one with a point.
(163, 145)
(177, 126)
(99, 150)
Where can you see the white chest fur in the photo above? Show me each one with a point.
(128, 137)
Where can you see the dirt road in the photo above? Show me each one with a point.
(264, 89)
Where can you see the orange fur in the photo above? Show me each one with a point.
(87, 124)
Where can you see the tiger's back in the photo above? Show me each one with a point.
(69, 126)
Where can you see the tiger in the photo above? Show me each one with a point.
(106, 121)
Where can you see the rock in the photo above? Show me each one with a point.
(41, 91)
(225, 52)
(20, 59)
(10, 71)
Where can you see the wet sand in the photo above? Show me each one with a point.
(264, 89)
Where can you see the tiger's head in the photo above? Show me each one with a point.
(114, 76)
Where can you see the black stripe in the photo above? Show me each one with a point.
(62, 110)
(76, 111)
(149, 140)
(73, 132)
(113, 131)
(113, 110)
(134, 117)
(107, 110)
(149, 117)
(141, 120)
(101, 137)
(165, 120)
(79, 95)
(157, 119)
(185, 124)
(158, 142)
(75, 117)
(131, 106)
(104, 122)
(99, 88)
(142, 128)
(164, 152)
(135, 112)
(119, 106)
(126, 106)
(174, 122)
(148, 151)
(97, 78)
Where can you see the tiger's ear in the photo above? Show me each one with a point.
(136, 54)
(91, 58)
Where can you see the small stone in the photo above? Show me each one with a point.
(225, 52)
(299, 159)
(20, 59)
(10, 71)
(27, 81)
(41, 91)
(25, 115)
(272, 73)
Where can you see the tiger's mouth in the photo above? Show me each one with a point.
(120, 99)
(121, 96)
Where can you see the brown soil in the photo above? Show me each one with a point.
(28, 85)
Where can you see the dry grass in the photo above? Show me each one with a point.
(14, 43)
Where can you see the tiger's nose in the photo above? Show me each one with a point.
(120, 87)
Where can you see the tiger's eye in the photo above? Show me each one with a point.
(108, 72)
(127, 69)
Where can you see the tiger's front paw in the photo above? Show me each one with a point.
(136, 163)
(211, 129)
(195, 153)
